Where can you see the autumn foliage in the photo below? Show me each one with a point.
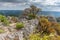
(46, 26)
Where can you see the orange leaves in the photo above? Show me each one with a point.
(44, 22)
(46, 25)
(51, 30)
(49, 24)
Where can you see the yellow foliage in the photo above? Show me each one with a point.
(34, 37)
(46, 25)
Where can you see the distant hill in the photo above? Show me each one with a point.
(11, 12)
(50, 13)
(18, 12)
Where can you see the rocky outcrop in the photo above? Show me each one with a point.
(13, 34)
(30, 26)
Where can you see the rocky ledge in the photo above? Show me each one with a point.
(13, 34)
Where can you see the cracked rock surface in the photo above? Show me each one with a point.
(13, 34)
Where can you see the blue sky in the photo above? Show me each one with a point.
(46, 5)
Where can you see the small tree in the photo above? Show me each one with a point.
(32, 10)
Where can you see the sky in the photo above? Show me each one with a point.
(46, 5)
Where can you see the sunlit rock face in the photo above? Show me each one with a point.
(13, 34)
(30, 26)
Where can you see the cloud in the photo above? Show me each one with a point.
(49, 2)
(46, 5)
(46, 2)
(34, 0)
(12, 6)
(13, 1)
(49, 5)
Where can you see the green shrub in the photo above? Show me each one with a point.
(19, 25)
(35, 37)
(14, 19)
(1, 31)
(4, 20)
(45, 37)
(31, 16)
(38, 36)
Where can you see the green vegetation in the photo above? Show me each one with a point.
(14, 19)
(46, 29)
(32, 12)
(31, 16)
(45, 37)
(4, 20)
(34, 37)
(45, 26)
(19, 25)
(34, 9)
(1, 31)
(37, 36)
(57, 28)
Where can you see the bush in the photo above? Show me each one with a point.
(4, 20)
(31, 16)
(19, 25)
(34, 37)
(45, 26)
(45, 37)
(1, 31)
(57, 28)
(14, 19)
(37, 36)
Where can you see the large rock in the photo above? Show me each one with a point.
(13, 34)
(29, 26)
